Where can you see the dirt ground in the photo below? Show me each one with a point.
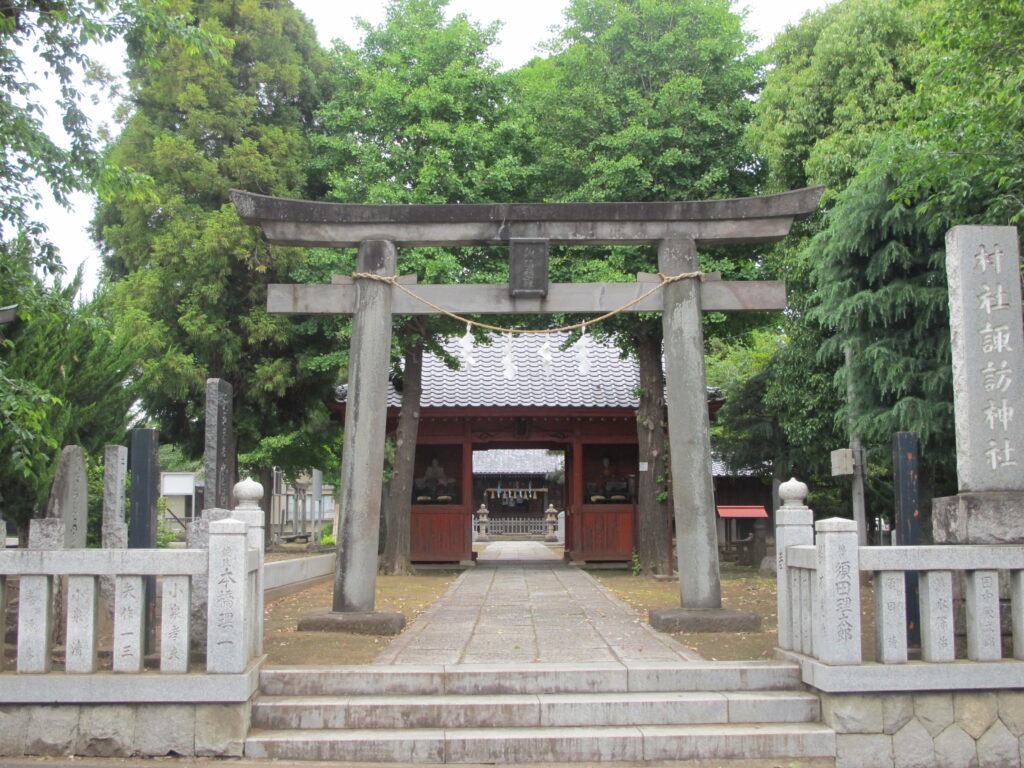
(742, 589)
(283, 644)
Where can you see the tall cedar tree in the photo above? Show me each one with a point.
(643, 100)
(838, 83)
(188, 278)
(955, 159)
(419, 113)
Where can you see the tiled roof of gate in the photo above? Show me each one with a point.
(516, 461)
(610, 383)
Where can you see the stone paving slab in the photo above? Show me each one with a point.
(523, 604)
(211, 762)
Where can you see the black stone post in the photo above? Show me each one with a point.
(142, 523)
(219, 456)
(907, 526)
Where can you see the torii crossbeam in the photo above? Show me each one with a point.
(676, 228)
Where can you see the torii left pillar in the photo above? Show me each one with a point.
(362, 461)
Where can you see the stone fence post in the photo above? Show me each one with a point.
(794, 526)
(248, 494)
(837, 616)
(228, 636)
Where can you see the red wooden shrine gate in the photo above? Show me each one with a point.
(600, 476)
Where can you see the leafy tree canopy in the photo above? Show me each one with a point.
(839, 81)
(189, 278)
(58, 35)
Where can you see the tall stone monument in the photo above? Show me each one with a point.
(115, 475)
(145, 465)
(115, 529)
(69, 496)
(983, 269)
(219, 458)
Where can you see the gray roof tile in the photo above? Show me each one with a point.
(610, 383)
(523, 461)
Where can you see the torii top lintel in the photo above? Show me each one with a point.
(342, 225)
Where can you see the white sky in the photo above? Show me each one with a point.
(526, 24)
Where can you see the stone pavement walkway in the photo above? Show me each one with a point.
(522, 603)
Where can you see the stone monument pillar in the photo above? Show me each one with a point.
(983, 269)
(115, 529)
(219, 454)
(69, 496)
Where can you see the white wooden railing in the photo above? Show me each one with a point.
(819, 567)
(232, 567)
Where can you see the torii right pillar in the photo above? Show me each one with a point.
(693, 492)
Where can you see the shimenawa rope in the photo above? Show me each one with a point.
(665, 280)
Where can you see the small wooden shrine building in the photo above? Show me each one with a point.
(590, 417)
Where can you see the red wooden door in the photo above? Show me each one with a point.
(604, 532)
(440, 533)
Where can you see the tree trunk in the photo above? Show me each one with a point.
(397, 511)
(654, 528)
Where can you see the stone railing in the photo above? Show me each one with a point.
(231, 567)
(820, 607)
(110, 699)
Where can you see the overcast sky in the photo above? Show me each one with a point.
(525, 24)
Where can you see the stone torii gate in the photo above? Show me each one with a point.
(676, 228)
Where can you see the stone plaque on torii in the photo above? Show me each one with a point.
(528, 229)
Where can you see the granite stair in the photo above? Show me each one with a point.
(522, 713)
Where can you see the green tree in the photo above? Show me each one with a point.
(188, 277)
(68, 369)
(762, 428)
(643, 100)
(59, 34)
(964, 155)
(878, 264)
(839, 82)
(419, 113)
(55, 37)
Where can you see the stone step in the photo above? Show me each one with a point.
(580, 745)
(496, 679)
(521, 710)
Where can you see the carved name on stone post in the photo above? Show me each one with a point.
(983, 269)
(115, 529)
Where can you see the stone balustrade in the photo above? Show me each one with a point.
(820, 607)
(231, 565)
